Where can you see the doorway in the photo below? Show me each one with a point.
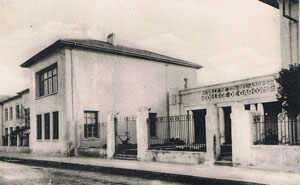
(226, 147)
(199, 126)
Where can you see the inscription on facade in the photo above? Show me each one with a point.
(261, 87)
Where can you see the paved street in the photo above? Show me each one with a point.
(11, 173)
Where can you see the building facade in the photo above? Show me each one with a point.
(76, 83)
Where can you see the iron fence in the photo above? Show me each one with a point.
(175, 133)
(275, 130)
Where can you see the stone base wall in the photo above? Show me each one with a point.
(176, 157)
(274, 157)
(14, 149)
(92, 152)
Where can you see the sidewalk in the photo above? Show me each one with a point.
(201, 171)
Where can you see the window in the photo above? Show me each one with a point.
(55, 125)
(18, 115)
(6, 114)
(152, 118)
(47, 125)
(47, 81)
(10, 113)
(185, 83)
(39, 126)
(90, 124)
(27, 116)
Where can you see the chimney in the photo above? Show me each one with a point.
(111, 39)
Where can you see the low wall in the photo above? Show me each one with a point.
(176, 156)
(91, 152)
(278, 157)
(14, 149)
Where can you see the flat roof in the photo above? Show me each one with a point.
(108, 48)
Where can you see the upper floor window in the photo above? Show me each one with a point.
(10, 113)
(6, 114)
(27, 116)
(18, 113)
(47, 81)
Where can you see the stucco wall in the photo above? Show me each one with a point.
(279, 157)
(289, 34)
(176, 157)
(104, 82)
(48, 104)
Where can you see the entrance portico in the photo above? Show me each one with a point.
(220, 104)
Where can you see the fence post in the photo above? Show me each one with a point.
(242, 134)
(142, 133)
(110, 129)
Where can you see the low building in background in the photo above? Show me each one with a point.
(15, 122)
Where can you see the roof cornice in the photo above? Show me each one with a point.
(63, 43)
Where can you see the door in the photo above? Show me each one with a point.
(199, 126)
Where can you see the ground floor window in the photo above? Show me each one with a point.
(39, 127)
(55, 125)
(47, 125)
(91, 124)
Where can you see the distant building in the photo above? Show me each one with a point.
(15, 121)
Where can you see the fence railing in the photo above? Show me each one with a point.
(275, 130)
(175, 133)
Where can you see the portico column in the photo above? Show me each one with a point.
(9, 140)
(252, 107)
(18, 140)
(213, 148)
(111, 140)
(260, 108)
(222, 125)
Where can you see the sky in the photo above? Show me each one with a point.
(231, 39)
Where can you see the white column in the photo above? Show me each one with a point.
(260, 109)
(222, 125)
(111, 140)
(242, 134)
(142, 133)
(213, 149)
(18, 140)
(252, 107)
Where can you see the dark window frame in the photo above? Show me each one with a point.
(55, 116)
(47, 81)
(6, 114)
(47, 126)
(11, 114)
(153, 129)
(39, 127)
(91, 129)
(18, 114)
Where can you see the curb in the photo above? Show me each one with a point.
(151, 175)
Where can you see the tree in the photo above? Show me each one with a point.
(289, 89)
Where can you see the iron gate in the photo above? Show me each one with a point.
(126, 140)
